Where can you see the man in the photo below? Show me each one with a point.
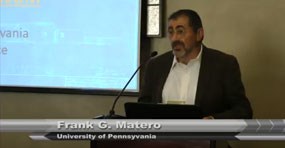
(193, 74)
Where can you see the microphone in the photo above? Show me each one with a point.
(112, 114)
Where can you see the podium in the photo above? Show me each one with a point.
(158, 111)
(153, 144)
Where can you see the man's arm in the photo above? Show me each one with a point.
(239, 106)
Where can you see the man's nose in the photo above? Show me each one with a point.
(174, 37)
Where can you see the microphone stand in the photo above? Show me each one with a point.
(112, 114)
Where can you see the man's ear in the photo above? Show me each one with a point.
(200, 34)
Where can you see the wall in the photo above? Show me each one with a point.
(252, 30)
(52, 106)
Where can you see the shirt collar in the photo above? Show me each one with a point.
(198, 58)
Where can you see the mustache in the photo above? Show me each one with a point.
(175, 43)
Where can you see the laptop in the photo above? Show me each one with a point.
(162, 111)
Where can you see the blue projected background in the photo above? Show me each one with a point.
(88, 44)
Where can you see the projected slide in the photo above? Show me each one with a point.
(85, 44)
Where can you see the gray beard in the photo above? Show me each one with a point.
(181, 54)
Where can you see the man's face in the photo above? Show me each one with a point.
(182, 37)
